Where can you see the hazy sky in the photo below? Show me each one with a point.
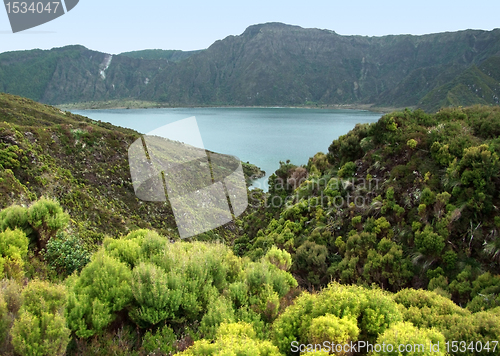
(114, 26)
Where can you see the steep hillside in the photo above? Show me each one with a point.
(410, 201)
(81, 163)
(268, 64)
(476, 85)
(75, 74)
(276, 64)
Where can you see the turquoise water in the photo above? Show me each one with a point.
(262, 136)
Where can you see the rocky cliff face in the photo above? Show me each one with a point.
(279, 64)
(75, 74)
(269, 64)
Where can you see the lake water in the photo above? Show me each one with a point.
(262, 136)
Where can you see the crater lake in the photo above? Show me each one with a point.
(261, 136)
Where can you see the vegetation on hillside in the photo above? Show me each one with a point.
(476, 85)
(75, 74)
(410, 201)
(81, 163)
(391, 237)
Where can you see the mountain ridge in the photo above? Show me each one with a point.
(268, 64)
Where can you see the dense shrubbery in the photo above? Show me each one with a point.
(341, 314)
(234, 339)
(154, 281)
(418, 194)
(408, 201)
(201, 298)
(426, 309)
(352, 313)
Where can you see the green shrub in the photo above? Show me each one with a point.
(373, 310)
(10, 303)
(101, 290)
(347, 170)
(482, 326)
(161, 341)
(13, 251)
(41, 327)
(428, 242)
(348, 147)
(266, 285)
(415, 341)
(280, 258)
(485, 293)
(66, 254)
(9, 157)
(312, 258)
(428, 197)
(157, 294)
(11, 290)
(233, 339)
(4, 319)
(13, 217)
(238, 292)
(426, 309)
(475, 173)
(411, 143)
(219, 311)
(461, 287)
(124, 250)
(439, 284)
(334, 329)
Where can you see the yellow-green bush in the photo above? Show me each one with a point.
(373, 310)
(46, 217)
(4, 319)
(13, 250)
(157, 281)
(101, 290)
(41, 221)
(162, 341)
(403, 339)
(233, 339)
(40, 329)
(333, 329)
(426, 309)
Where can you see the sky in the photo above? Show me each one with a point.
(113, 26)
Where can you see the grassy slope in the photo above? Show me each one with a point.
(78, 161)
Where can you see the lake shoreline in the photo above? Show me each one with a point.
(263, 136)
(133, 104)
